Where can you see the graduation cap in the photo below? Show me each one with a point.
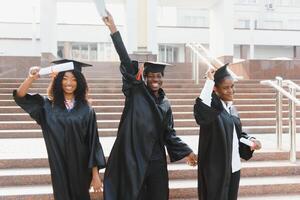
(77, 65)
(154, 67)
(221, 73)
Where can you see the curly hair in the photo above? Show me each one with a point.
(56, 93)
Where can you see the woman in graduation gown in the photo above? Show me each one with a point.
(70, 132)
(137, 166)
(220, 148)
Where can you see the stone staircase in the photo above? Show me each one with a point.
(24, 170)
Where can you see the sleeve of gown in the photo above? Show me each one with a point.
(96, 157)
(245, 151)
(128, 68)
(206, 92)
(32, 104)
(203, 113)
(176, 148)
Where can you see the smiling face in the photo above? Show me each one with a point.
(154, 81)
(225, 89)
(69, 83)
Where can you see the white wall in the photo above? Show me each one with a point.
(19, 48)
(79, 22)
(182, 35)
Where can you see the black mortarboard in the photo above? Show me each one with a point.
(77, 65)
(154, 67)
(221, 73)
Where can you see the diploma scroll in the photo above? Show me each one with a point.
(247, 142)
(57, 68)
(100, 5)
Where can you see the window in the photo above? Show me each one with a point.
(272, 25)
(247, 1)
(243, 23)
(192, 21)
(84, 51)
(88, 51)
(284, 2)
(168, 53)
(192, 17)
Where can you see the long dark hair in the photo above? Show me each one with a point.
(80, 93)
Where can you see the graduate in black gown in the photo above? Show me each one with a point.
(220, 148)
(70, 132)
(137, 166)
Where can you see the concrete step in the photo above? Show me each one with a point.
(177, 115)
(175, 108)
(166, 84)
(34, 148)
(118, 80)
(8, 96)
(175, 101)
(248, 186)
(179, 189)
(110, 124)
(263, 197)
(41, 176)
(109, 132)
(273, 197)
(167, 90)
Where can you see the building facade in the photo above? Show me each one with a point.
(261, 29)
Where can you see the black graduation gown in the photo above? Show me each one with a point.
(141, 125)
(72, 143)
(215, 148)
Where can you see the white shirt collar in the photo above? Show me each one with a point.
(227, 105)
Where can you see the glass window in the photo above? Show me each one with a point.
(272, 25)
(93, 52)
(168, 53)
(284, 2)
(75, 51)
(192, 17)
(84, 52)
(247, 1)
(243, 23)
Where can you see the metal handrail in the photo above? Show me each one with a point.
(220, 63)
(195, 56)
(196, 51)
(291, 95)
(289, 82)
(205, 60)
(281, 90)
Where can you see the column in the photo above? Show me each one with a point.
(152, 45)
(131, 29)
(221, 29)
(48, 31)
(141, 29)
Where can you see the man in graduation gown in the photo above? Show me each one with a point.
(220, 148)
(137, 166)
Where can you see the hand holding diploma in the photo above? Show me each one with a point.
(109, 22)
(210, 74)
(253, 143)
(34, 72)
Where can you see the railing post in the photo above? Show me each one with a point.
(292, 125)
(279, 114)
(197, 70)
(193, 64)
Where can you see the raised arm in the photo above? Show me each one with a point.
(128, 68)
(206, 108)
(32, 76)
(117, 40)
